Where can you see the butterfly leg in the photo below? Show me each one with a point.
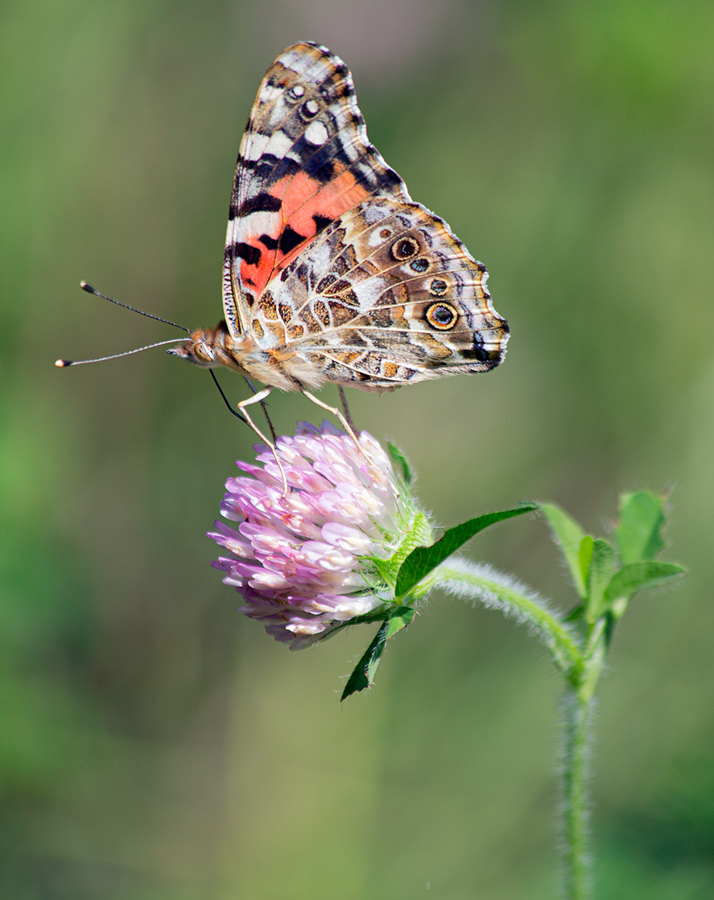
(346, 408)
(343, 420)
(259, 398)
(263, 407)
(345, 423)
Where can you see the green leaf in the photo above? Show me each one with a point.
(640, 576)
(602, 568)
(639, 532)
(570, 536)
(423, 560)
(362, 676)
(400, 460)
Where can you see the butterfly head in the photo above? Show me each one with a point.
(205, 347)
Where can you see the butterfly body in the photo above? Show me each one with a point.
(332, 273)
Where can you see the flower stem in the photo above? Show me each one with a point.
(581, 667)
(577, 707)
(496, 591)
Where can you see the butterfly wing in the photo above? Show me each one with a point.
(331, 271)
(386, 295)
(304, 161)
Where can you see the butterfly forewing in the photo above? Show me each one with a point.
(305, 159)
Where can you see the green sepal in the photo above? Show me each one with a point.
(423, 560)
(400, 461)
(575, 545)
(638, 534)
(362, 676)
(602, 569)
(417, 534)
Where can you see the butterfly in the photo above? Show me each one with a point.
(332, 273)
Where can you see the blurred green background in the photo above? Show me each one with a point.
(155, 745)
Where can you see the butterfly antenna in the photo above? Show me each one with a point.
(64, 363)
(90, 290)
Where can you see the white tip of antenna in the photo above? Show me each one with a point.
(86, 287)
(62, 363)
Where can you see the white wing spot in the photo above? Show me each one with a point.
(255, 145)
(263, 222)
(270, 92)
(373, 213)
(280, 144)
(317, 133)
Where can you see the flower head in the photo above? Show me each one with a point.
(321, 555)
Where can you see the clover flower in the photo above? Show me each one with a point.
(318, 557)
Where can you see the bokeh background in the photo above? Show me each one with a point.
(154, 745)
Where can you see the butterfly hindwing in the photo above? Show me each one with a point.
(384, 296)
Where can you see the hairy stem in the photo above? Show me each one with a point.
(495, 591)
(581, 668)
(577, 706)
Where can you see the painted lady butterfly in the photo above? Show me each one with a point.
(332, 273)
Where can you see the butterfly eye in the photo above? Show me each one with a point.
(438, 287)
(405, 248)
(419, 265)
(309, 109)
(442, 316)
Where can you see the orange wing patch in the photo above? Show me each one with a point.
(307, 207)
